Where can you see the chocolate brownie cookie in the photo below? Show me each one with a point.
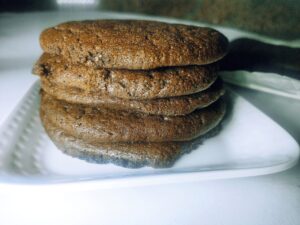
(132, 155)
(102, 125)
(173, 106)
(129, 84)
(133, 44)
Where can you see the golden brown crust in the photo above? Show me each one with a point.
(173, 106)
(133, 44)
(128, 84)
(103, 125)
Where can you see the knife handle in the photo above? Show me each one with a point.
(252, 55)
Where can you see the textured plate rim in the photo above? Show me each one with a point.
(138, 181)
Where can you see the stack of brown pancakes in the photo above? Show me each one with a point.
(129, 92)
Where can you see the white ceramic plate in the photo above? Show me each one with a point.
(249, 144)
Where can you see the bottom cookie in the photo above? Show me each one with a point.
(129, 155)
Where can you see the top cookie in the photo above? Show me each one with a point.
(133, 44)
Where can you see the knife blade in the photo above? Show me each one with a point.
(267, 82)
(262, 66)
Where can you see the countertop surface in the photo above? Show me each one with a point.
(270, 199)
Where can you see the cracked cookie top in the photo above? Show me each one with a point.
(133, 44)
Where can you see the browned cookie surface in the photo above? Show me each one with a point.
(128, 84)
(126, 154)
(181, 105)
(103, 125)
(133, 44)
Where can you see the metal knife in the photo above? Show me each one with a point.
(261, 66)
